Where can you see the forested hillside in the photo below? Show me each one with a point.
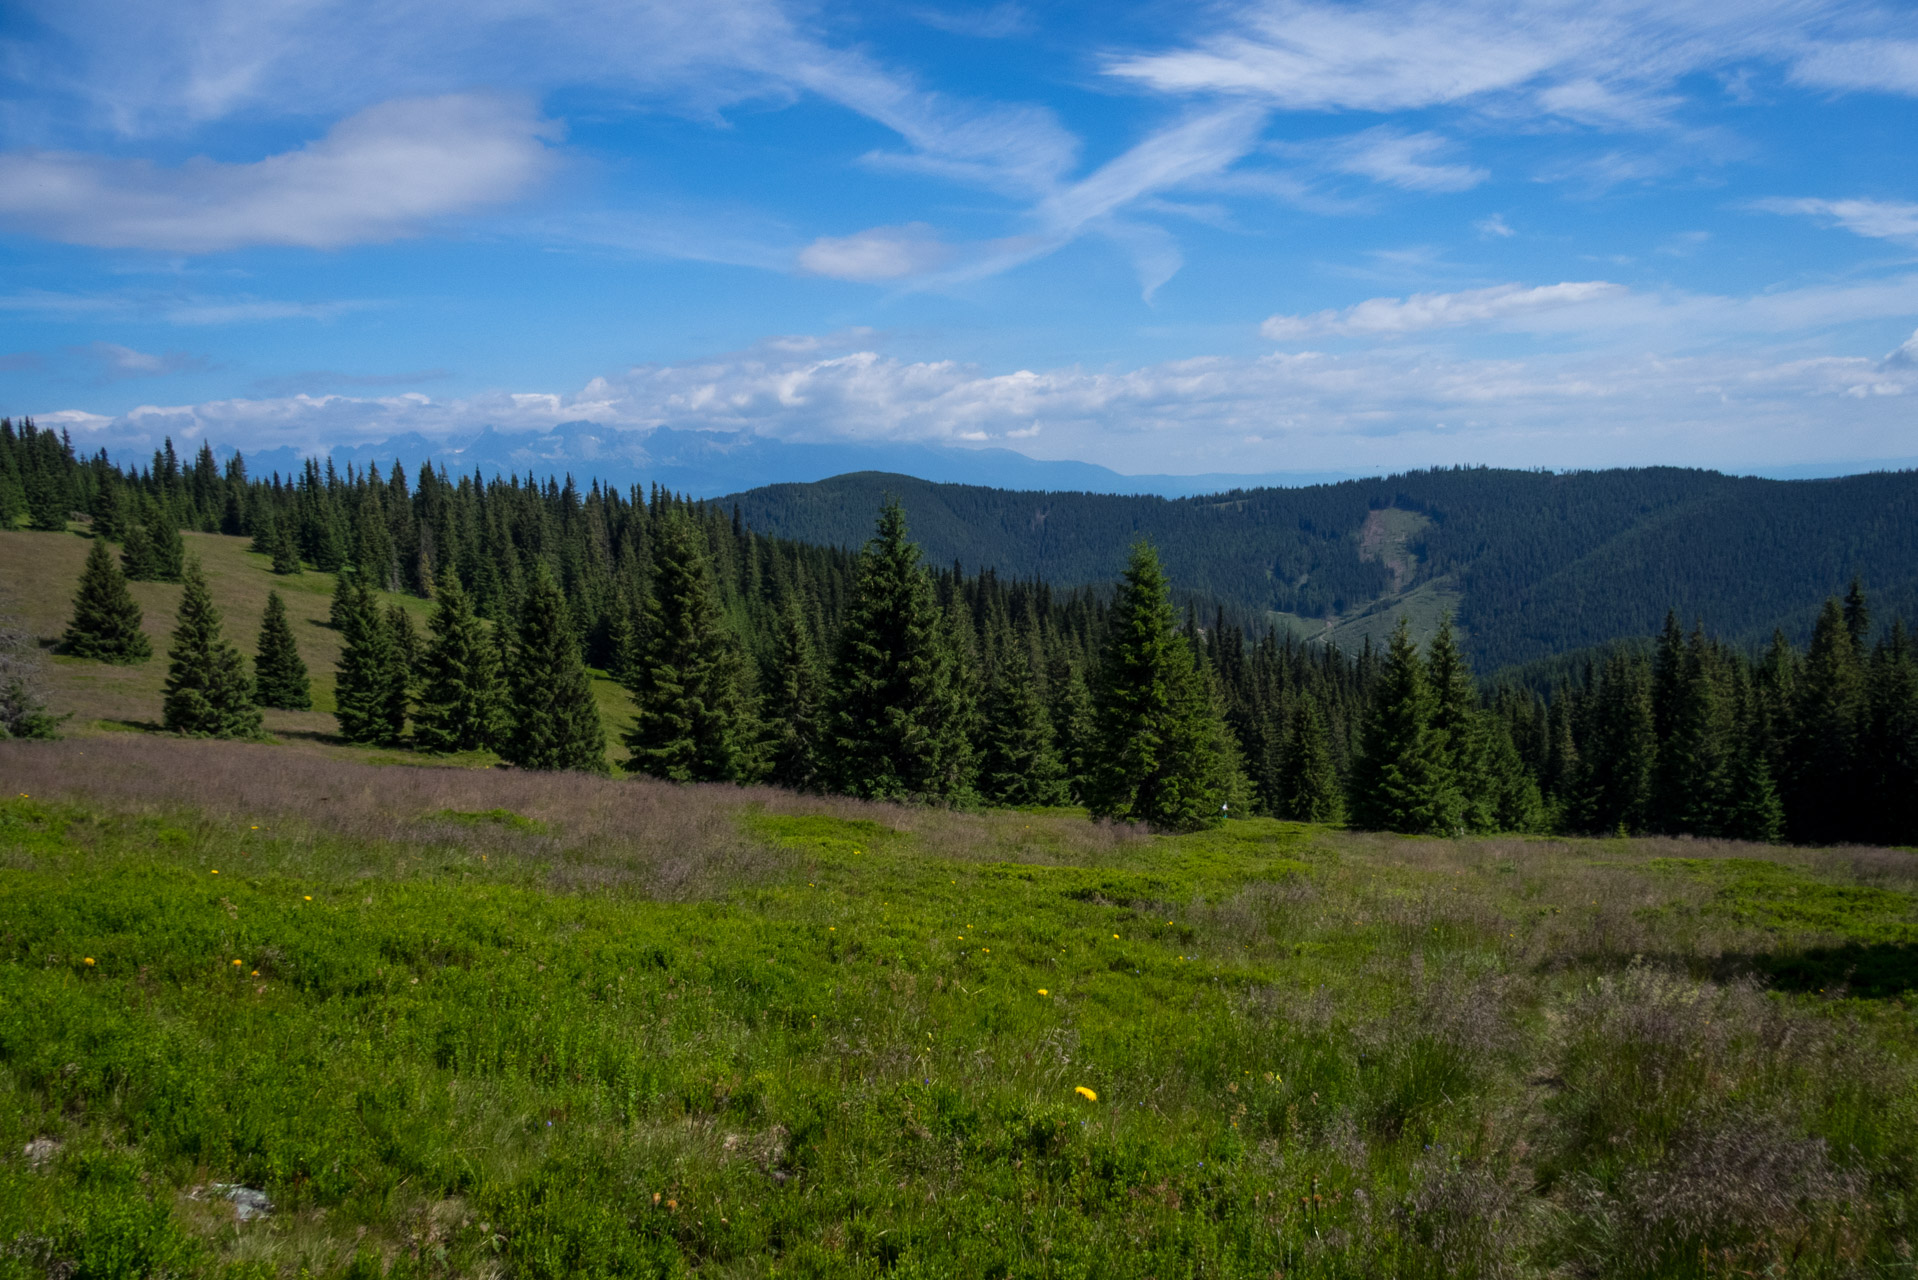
(1538, 563)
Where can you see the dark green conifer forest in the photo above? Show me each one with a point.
(877, 674)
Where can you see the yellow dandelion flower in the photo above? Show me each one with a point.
(1115, 937)
(309, 897)
(1086, 1093)
(216, 872)
(256, 973)
(1044, 992)
(236, 964)
(253, 828)
(88, 960)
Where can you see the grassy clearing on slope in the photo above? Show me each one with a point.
(39, 572)
(489, 1023)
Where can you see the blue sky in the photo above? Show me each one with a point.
(1177, 238)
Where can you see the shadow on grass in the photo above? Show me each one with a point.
(1873, 970)
(130, 726)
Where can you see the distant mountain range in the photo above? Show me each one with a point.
(1532, 564)
(703, 464)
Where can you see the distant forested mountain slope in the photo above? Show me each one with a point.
(1533, 563)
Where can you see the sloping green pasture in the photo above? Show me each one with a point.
(453, 1037)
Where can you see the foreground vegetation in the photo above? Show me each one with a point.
(481, 1022)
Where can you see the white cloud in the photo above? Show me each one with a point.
(1395, 317)
(1878, 219)
(1887, 65)
(881, 253)
(1299, 409)
(1604, 63)
(1906, 356)
(116, 361)
(1407, 160)
(1495, 225)
(378, 175)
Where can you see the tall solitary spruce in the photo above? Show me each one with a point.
(279, 674)
(1154, 755)
(106, 619)
(462, 694)
(553, 720)
(208, 693)
(888, 734)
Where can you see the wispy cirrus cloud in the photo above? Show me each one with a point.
(1608, 63)
(384, 173)
(1877, 219)
(880, 253)
(1398, 317)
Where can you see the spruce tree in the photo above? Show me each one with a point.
(1693, 778)
(1155, 748)
(286, 552)
(1070, 710)
(1823, 796)
(553, 720)
(693, 721)
(169, 549)
(369, 669)
(279, 674)
(407, 652)
(1889, 751)
(1018, 763)
(886, 728)
(208, 693)
(1401, 778)
(106, 620)
(137, 556)
(1307, 787)
(1751, 808)
(794, 692)
(462, 693)
(1614, 771)
(1464, 733)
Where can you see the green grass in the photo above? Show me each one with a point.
(490, 1024)
(39, 572)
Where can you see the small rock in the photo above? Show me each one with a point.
(248, 1204)
(40, 1150)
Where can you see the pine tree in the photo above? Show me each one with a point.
(279, 674)
(1467, 738)
(1155, 749)
(1823, 796)
(693, 721)
(794, 691)
(886, 735)
(106, 620)
(169, 549)
(208, 693)
(552, 717)
(1070, 711)
(407, 652)
(137, 556)
(286, 552)
(1018, 763)
(1307, 788)
(23, 701)
(1889, 752)
(369, 669)
(1401, 779)
(1614, 775)
(1692, 777)
(462, 692)
(1751, 808)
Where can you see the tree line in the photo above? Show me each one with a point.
(747, 658)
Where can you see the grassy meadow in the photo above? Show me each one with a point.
(460, 1022)
(466, 1021)
(38, 574)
